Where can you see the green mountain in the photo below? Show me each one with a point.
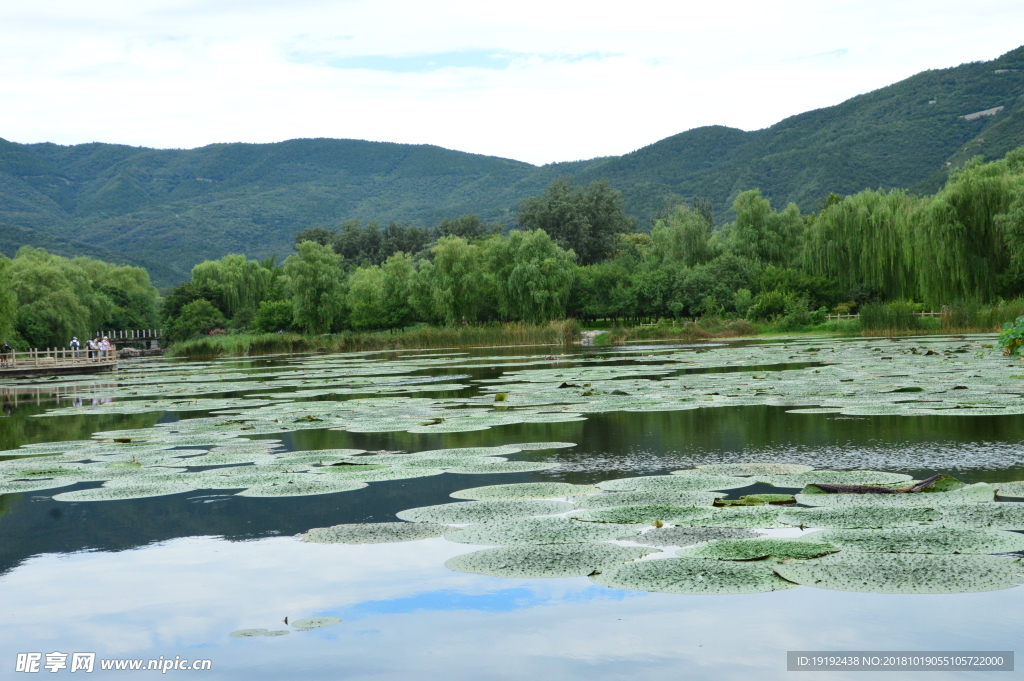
(168, 209)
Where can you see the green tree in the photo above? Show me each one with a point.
(315, 280)
(273, 316)
(684, 238)
(8, 302)
(712, 285)
(585, 221)
(863, 241)
(469, 227)
(378, 296)
(452, 285)
(55, 299)
(532, 275)
(762, 235)
(240, 284)
(196, 318)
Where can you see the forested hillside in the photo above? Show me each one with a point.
(169, 209)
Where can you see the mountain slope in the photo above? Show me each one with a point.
(177, 207)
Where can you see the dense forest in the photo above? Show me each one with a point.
(170, 209)
(579, 255)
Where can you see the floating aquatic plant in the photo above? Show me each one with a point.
(554, 560)
(760, 548)
(594, 501)
(675, 483)
(921, 540)
(373, 533)
(693, 576)
(482, 511)
(556, 530)
(524, 490)
(308, 623)
(904, 573)
(859, 517)
(647, 513)
(687, 536)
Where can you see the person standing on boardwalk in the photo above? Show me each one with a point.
(5, 354)
(75, 345)
(91, 348)
(104, 347)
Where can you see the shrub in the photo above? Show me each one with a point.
(274, 316)
(1011, 338)
(195, 319)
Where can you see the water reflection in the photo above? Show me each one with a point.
(406, 617)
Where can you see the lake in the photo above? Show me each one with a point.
(160, 516)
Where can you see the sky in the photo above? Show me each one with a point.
(535, 80)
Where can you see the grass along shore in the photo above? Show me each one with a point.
(564, 332)
(892, 319)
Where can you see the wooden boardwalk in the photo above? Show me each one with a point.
(55, 362)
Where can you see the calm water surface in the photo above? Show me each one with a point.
(173, 576)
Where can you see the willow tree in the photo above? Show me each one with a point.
(958, 242)
(315, 279)
(240, 282)
(56, 299)
(453, 285)
(862, 241)
(8, 301)
(683, 238)
(378, 295)
(763, 235)
(532, 275)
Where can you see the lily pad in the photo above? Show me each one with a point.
(921, 540)
(860, 517)
(139, 491)
(302, 489)
(308, 623)
(759, 548)
(1011, 490)
(611, 499)
(761, 517)
(687, 536)
(249, 633)
(553, 560)
(647, 513)
(16, 487)
(904, 573)
(373, 533)
(524, 490)
(675, 483)
(976, 493)
(536, 531)
(994, 516)
(800, 480)
(482, 511)
(767, 468)
(693, 576)
(501, 467)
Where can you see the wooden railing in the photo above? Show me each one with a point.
(53, 358)
(857, 316)
(135, 334)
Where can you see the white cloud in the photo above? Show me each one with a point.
(537, 81)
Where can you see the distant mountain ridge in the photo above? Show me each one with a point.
(168, 209)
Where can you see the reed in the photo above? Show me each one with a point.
(564, 332)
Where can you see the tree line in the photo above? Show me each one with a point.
(46, 299)
(575, 253)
